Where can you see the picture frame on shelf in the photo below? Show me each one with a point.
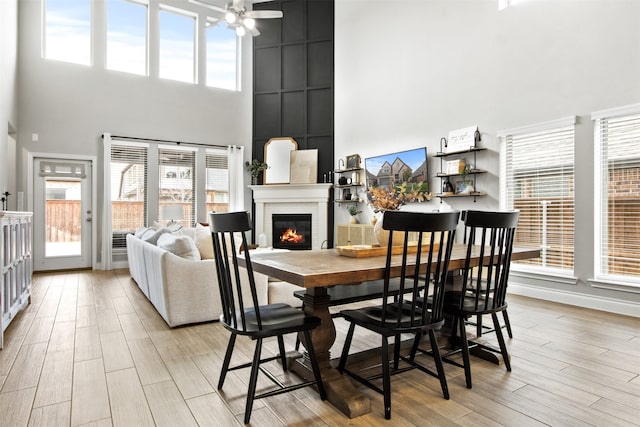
(454, 167)
(464, 187)
(353, 161)
(461, 139)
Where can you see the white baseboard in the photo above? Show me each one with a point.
(610, 305)
(115, 265)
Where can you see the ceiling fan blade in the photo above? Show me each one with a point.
(254, 31)
(208, 6)
(261, 14)
(238, 4)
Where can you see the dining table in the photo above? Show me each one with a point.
(318, 270)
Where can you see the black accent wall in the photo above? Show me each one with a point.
(293, 80)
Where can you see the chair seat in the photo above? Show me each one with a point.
(347, 294)
(276, 319)
(371, 318)
(469, 308)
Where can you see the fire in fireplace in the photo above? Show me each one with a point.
(291, 231)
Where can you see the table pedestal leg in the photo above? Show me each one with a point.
(340, 391)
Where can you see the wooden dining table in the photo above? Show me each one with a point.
(318, 270)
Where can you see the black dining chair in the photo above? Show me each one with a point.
(396, 316)
(481, 328)
(247, 318)
(484, 285)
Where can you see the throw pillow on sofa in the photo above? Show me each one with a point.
(204, 242)
(152, 236)
(182, 246)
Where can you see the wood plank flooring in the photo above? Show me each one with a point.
(91, 350)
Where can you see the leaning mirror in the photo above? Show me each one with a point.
(277, 154)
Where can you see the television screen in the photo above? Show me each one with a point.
(391, 170)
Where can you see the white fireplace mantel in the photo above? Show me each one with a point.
(294, 199)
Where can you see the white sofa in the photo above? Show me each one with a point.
(186, 291)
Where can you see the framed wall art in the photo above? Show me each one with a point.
(353, 161)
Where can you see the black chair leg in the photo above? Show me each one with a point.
(297, 335)
(466, 359)
(253, 381)
(507, 324)
(503, 346)
(414, 347)
(314, 365)
(454, 328)
(345, 348)
(435, 350)
(386, 378)
(283, 354)
(479, 325)
(227, 360)
(396, 352)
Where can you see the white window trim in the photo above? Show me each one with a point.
(606, 281)
(539, 127)
(528, 271)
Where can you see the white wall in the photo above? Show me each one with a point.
(8, 93)
(407, 72)
(70, 106)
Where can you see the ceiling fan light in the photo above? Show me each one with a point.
(230, 17)
(240, 31)
(250, 23)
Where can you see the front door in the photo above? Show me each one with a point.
(62, 217)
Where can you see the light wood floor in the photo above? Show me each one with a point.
(91, 350)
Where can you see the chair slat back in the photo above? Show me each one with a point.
(492, 233)
(226, 230)
(434, 252)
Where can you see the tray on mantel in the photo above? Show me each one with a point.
(363, 251)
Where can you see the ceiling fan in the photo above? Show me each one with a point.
(237, 16)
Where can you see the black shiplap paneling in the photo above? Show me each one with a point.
(294, 78)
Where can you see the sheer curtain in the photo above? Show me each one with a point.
(236, 178)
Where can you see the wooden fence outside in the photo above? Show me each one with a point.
(64, 217)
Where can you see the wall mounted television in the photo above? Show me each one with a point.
(391, 170)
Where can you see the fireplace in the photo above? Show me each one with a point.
(275, 199)
(291, 231)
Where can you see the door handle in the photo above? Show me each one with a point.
(88, 219)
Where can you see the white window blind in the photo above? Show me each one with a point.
(217, 184)
(128, 190)
(537, 178)
(617, 146)
(177, 169)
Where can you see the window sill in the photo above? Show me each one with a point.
(548, 275)
(615, 285)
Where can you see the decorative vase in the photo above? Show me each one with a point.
(382, 235)
(254, 180)
(353, 220)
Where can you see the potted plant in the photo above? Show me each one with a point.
(255, 167)
(353, 211)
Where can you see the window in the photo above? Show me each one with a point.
(67, 29)
(221, 56)
(503, 4)
(217, 184)
(127, 36)
(177, 46)
(617, 194)
(128, 190)
(177, 169)
(537, 178)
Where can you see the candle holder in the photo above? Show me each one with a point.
(5, 200)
